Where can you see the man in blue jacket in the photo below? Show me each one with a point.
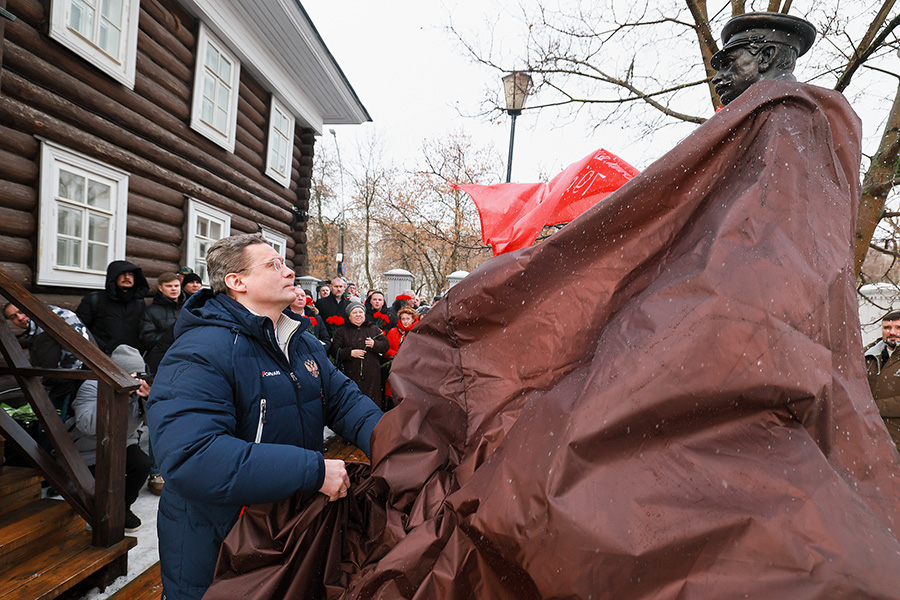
(238, 408)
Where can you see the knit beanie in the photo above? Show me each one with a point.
(128, 358)
(355, 304)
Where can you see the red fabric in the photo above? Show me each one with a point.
(512, 214)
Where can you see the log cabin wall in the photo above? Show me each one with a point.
(50, 93)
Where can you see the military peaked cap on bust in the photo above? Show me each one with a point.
(761, 27)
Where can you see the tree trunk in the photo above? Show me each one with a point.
(879, 180)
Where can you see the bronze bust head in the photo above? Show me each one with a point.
(759, 46)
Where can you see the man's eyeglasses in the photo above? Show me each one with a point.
(277, 264)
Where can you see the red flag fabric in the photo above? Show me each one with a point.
(512, 214)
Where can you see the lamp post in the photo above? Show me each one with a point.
(516, 86)
(340, 256)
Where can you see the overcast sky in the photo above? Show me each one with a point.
(415, 81)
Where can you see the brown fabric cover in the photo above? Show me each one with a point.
(666, 399)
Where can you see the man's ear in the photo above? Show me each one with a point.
(766, 58)
(235, 283)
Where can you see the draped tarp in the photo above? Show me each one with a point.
(513, 214)
(666, 399)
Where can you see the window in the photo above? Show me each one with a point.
(205, 226)
(103, 32)
(83, 206)
(278, 241)
(216, 79)
(281, 143)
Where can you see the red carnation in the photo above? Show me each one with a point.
(404, 297)
(382, 316)
(312, 321)
(335, 320)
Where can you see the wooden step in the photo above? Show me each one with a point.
(18, 486)
(146, 586)
(50, 573)
(38, 521)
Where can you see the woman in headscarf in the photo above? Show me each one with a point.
(357, 347)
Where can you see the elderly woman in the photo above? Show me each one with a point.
(357, 347)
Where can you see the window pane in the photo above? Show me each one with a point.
(97, 256)
(212, 58)
(200, 269)
(215, 230)
(225, 69)
(98, 194)
(112, 10)
(202, 227)
(68, 253)
(206, 111)
(98, 229)
(209, 87)
(71, 186)
(109, 39)
(81, 18)
(221, 121)
(202, 248)
(68, 222)
(222, 99)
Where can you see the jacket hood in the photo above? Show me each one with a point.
(140, 289)
(220, 310)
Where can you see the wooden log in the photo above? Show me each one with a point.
(254, 152)
(243, 224)
(165, 166)
(15, 249)
(139, 114)
(176, 21)
(245, 122)
(16, 222)
(252, 113)
(152, 268)
(149, 89)
(18, 272)
(248, 155)
(253, 87)
(152, 189)
(155, 210)
(163, 78)
(15, 168)
(260, 104)
(161, 56)
(154, 230)
(152, 29)
(18, 196)
(145, 248)
(19, 143)
(30, 11)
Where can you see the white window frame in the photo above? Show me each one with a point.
(199, 209)
(121, 68)
(54, 156)
(284, 178)
(276, 239)
(205, 39)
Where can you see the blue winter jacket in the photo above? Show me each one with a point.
(233, 423)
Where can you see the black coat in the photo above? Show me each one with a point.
(366, 372)
(113, 315)
(157, 318)
(330, 307)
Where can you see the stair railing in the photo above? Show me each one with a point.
(99, 500)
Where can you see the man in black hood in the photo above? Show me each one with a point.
(113, 314)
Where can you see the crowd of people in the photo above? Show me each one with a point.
(360, 337)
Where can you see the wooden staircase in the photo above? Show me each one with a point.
(45, 547)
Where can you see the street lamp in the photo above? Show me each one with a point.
(516, 86)
(340, 255)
